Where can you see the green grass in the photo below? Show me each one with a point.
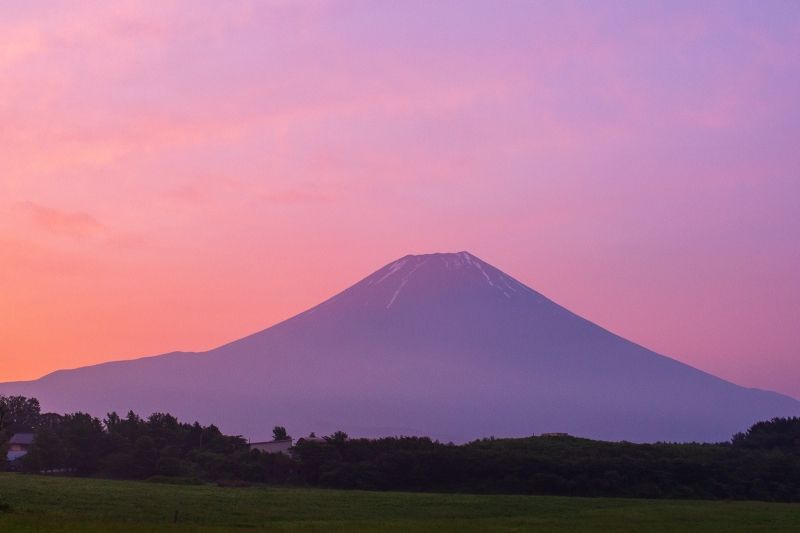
(40, 503)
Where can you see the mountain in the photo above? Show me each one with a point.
(443, 345)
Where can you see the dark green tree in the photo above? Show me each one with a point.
(776, 433)
(50, 448)
(83, 438)
(19, 411)
(339, 436)
(145, 456)
(32, 461)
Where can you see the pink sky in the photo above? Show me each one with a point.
(178, 177)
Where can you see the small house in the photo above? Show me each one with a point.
(18, 447)
(273, 446)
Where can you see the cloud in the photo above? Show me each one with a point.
(186, 194)
(73, 224)
(296, 196)
(19, 44)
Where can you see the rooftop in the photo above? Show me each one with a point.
(22, 438)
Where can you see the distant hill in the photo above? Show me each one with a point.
(442, 345)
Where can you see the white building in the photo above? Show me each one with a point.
(18, 446)
(273, 446)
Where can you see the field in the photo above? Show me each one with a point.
(68, 504)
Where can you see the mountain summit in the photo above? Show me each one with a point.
(444, 345)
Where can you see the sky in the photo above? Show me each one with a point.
(176, 175)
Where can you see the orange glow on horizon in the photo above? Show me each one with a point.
(174, 179)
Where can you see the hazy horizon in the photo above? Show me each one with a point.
(180, 176)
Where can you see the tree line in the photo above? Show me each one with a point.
(762, 463)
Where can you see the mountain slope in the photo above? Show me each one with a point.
(441, 344)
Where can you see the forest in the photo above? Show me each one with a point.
(761, 463)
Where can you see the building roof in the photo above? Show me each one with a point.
(311, 439)
(278, 441)
(22, 438)
(275, 446)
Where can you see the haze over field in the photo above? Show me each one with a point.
(443, 345)
(177, 174)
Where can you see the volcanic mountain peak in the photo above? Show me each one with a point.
(443, 260)
(444, 344)
(444, 268)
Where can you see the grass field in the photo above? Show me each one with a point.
(41, 503)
